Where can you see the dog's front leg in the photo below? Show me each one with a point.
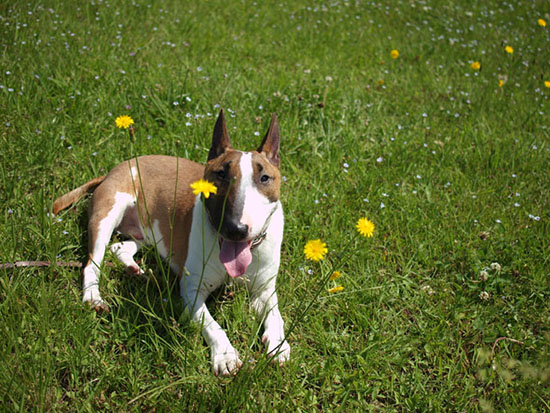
(225, 359)
(265, 303)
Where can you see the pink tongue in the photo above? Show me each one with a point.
(235, 256)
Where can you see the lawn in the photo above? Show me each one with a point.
(429, 118)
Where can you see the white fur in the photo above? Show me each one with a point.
(256, 208)
(134, 172)
(125, 252)
(153, 236)
(105, 230)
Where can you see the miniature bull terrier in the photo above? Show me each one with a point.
(236, 232)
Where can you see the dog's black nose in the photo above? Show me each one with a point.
(236, 231)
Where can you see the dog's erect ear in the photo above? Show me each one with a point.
(220, 139)
(270, 144)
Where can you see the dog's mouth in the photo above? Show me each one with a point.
(235, 256)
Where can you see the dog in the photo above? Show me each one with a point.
(237, 231)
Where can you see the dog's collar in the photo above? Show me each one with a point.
(258, 240)
(263, 234)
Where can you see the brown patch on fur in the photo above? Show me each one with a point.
(224, 172)
(162, 185)
(271, 189)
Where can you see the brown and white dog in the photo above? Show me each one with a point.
(149, 200)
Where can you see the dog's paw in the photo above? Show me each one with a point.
(134, 269)
(226, 363)
(95, 301)
(278, 349)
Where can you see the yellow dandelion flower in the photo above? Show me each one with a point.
(335, 275)
(336, 289)
(547, 83)
(500, 83)
(365, 227)
(315, 250)
(541, 22)
(509, 49)
(381, 82)
(476, 65)
(124, 122)
(394, 54)
(204, 187)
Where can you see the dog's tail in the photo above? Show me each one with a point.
(71, 197)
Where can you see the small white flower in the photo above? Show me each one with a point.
(495, 266)
(483, 275)
(428, 290)
(379, 159)
(484, 295)
(382, 205)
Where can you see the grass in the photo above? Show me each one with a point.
(459, 164)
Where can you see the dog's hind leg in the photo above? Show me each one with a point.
(125, 252)
(105, 216)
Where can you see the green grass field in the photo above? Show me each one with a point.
(451, 163)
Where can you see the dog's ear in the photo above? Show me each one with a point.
(220, 139)
(270, 144)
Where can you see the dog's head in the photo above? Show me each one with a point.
(248, 193)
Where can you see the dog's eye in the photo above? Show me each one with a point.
(264, 178)
(221, 174)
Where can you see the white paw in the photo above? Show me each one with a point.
(226, 363)
(95, 301)
(278, 349)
